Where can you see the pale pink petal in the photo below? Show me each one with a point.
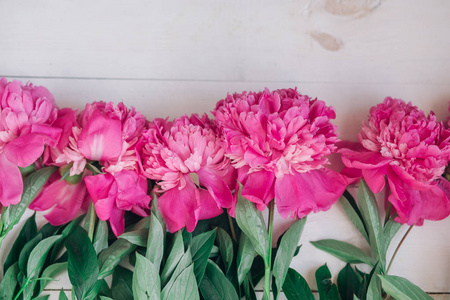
(180, 208)
(11, 185)
(101, 138)
(298, 195)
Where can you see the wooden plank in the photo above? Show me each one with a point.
(309, 41)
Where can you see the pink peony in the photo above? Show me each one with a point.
(106, 134)
(279, 142)
(412, 150)
(186, 159)
(26, 117)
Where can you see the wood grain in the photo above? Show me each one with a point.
(169, 58)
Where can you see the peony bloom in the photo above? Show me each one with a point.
(412, 150)
(279, 141)
(106, 134)
(26, 117)
(193, 177)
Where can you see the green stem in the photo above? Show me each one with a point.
(268, 262)
(398, 247)
(91, 221)
(233, 233)
(27, 281)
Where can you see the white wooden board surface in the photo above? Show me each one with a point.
(168, 58)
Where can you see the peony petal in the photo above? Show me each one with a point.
(208, 206)
(25, 150)
(351, 175)
(298, 195)
(362, 159)
(117, 221)
(51, 135)
(67, 199)
(11, 185)
(132, 190)
(259, 187)
(180, 208)
(218, 189)
(103, 191)
(101, 138)
(375, 178)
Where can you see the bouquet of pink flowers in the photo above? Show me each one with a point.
(182, 198)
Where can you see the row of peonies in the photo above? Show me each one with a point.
(275, 144)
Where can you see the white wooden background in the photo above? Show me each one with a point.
(168, 58)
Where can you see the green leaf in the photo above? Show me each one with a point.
(344, 251)
(28, 232)
(185, 261)
(106, 298)
(113, 255)
(327, 290)
(136, 237)
(401, 288)
(26, 251)
(225, 247)
(122, 284)
(251, 222)
(183, 288)
(82, 263)
(59, 245)
(374, 284)
(176, 252)
(295, 287)
(100, 241)
(215, 284)
(201, 247)
(369, 211)
(62, 295)
(31, 187)
(155, 242)
(353, 213)
(245, 256)
(51, 272)
(348, 283)
(286, 251)
(9, 282)
(42, 297)
(39, 254)
(146, 281)
(390, 230)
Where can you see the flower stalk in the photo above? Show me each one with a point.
(91, 216)
(398, 247)
(268, 263)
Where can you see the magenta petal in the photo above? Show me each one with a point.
(180, 208)
(68, 200)
(208, 206)
(362, 159)
(117, 221)
(101, 138)
(351, 175)
(259, 187)
(218, 189)
(11, 185)
(375, 178)
(132, 190)
(414, 206)
(25, 150)
(298, 195)
(103, 191)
